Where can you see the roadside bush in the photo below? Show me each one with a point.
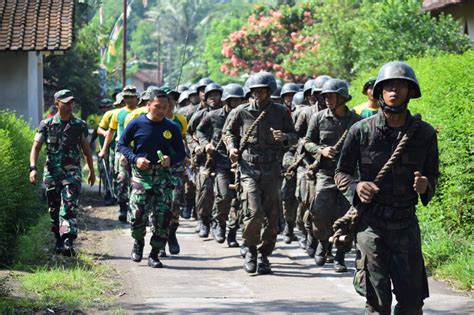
(20, 206)
(447, 87)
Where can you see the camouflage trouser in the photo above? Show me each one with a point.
(151, 196)
(122, 168)
(189, 190)
(261, 184)
(328, 205)
(223, 196)
(304, 194)
(391, 256)
(113, 173)
(205, 195)
(178, 194)
(288, 191)
(235, 213)
(104, 172)
(63, 199)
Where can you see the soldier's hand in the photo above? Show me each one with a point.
(143, 163)
(101, 154)
(328, 152)
(366, 191)
(91, 178)
(420, 184)
(166, 161)
(210, 148)
(233, 155)
(33, 176)
(278, 135)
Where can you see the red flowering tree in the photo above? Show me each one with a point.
(271, 40)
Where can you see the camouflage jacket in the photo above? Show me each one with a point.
(210, 131)
(303, 119)
(64, 141)
(370, 144)
(261, 147)
(325, 130)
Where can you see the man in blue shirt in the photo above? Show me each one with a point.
(157, 145)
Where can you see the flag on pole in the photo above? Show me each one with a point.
(110, 56)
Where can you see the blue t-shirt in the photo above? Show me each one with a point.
(148, 137)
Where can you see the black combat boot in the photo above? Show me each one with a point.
(329, 255)
(123, 211)
(312, 243)
(206, 224)
(153, 260)
(162, 253)
(59, 247)
(231, 238)
(263, 266)
(68, 247)
(339, 263)
(173, 244)
(250, 264)
(137, 251)
(320, 255)
(219, 233)
(288, 233)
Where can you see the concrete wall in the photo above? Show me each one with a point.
(21, 82)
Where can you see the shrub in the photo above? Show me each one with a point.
(20, 200)
(447, 87)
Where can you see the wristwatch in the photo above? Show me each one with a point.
(33, 168)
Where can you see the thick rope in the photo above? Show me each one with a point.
(347, 224)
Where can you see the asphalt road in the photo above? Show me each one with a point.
(207, 278)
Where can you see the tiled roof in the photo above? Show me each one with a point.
(434, 5)
(36, 24)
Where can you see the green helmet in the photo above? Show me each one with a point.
(319, 82)
(369, 83)
(181, 88)
(192, 90)
(338, 86)
(298, 99)
(232, 90)
(183, 96)
(276, 93)
(396, 70)
(289, 88)
(262, 80)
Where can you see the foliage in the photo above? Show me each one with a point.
(269, 39)
(21, 204)
(447, 86)
(337, 37)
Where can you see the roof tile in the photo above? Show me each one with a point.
(36, 25)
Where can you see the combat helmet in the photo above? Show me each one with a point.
(232, 90)
(308, 86)
(396, 70)
(203, 83)
(298, 99)
(289, 88)
(212, 87)
(262, 80)
(319, 82)
(337, 86)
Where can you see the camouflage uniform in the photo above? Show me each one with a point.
(325, 129)
(260, 168)
(62, 172)
(388, 233)
(151, 196)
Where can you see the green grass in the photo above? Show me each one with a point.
(53, 281)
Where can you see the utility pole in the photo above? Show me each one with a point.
(124, 45)
(158, 63)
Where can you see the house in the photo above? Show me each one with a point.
(144, 78)
(29, 29)
(462, 10)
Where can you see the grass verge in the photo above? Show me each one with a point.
(41, 281)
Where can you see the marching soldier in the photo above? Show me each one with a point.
(66, 139)
(402, 150)
(210, 135)
(157, 146)
(326, 129)
(258, 134)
